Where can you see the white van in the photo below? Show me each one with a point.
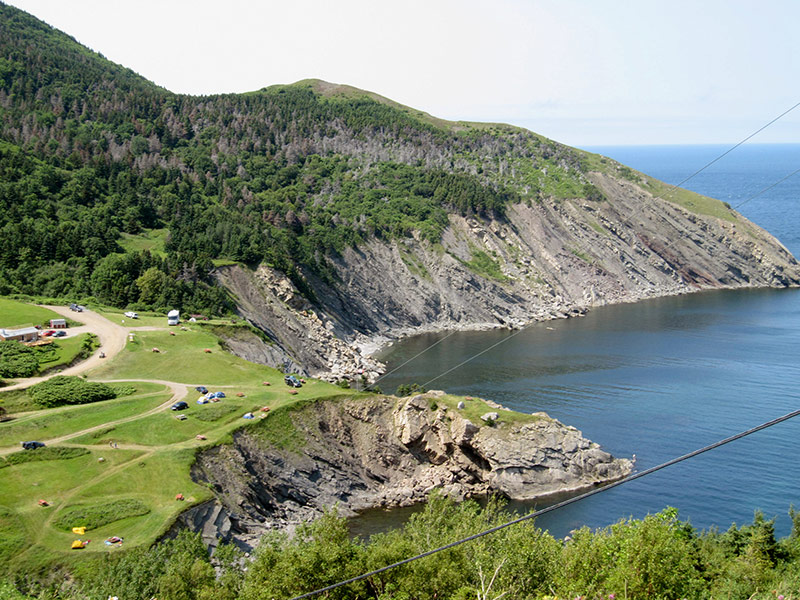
(131, 315)
(173, 317)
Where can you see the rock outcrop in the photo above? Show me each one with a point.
(387, 452)
(541, 261)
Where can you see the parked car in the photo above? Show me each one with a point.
(179, 405)
(60, 334)
(292, 381)
(202, 389)
(76, 307)
(131, 315)
(48, 333)
(81, 308)
(32, 445)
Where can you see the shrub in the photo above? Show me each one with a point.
(93, 516)
(63, 389)
(124, 390)
(404, 389)
(90, 342)
(174, 568)
(53, 453)
(17, 360)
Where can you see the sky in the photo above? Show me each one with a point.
(583, 72)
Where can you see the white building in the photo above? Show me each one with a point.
(22, 334)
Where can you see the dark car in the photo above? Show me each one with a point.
(292, 381)
(202, 389)
(32, 445)
(60, 333)
(179, 405)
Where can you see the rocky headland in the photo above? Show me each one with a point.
(357, 453)
(540, 261)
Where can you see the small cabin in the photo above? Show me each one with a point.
(22, 334)
(58, 323)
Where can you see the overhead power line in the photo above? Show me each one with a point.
(554, 506)
(417, 355)
(766, 189)
(609, 486)
(728, 151)
(670, 189)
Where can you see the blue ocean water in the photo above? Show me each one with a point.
(663, 377)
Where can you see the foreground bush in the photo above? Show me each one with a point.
(93, 516)
(658, 557)
(63, 389)
(17, 360)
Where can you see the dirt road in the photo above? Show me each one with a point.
(179, 392)
(112, 341)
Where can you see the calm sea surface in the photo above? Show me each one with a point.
(663, 377)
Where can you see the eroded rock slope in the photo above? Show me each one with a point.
(541, 261)
(385, 452)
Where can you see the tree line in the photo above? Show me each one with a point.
(657, 557)
(288, 175)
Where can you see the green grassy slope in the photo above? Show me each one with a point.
(154, 451)
(134, 453)
(13, 312)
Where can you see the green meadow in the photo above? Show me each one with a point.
(138, 453)
(116, 466)
(14, 312)
(151, 240)
(63, 420)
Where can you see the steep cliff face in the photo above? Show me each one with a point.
(543, 260)
(383, 452)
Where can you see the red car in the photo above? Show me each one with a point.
(49, 332)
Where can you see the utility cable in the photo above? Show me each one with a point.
(669, 190)
(416, 356)
(554, 506)
(731, 149)
(474, 356)
(766, 189)
(605, 487)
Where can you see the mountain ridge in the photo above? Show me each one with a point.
(377, 218)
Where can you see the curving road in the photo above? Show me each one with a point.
(112, 340)
(179, 392)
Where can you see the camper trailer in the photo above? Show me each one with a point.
(173, 317)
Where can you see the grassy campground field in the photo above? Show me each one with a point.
(118, 465)
(59, 352)
(14, 313)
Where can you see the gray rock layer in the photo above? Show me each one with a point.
(552, 259)
(385, 452)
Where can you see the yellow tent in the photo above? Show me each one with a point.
(79, 530)
(78, 544)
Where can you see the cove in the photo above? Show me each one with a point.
(657, 379)
(662, 377)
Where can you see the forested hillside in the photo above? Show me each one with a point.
(324, 214)
(288, 175)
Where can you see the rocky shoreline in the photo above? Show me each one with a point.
(384, 452)
(539, 262)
